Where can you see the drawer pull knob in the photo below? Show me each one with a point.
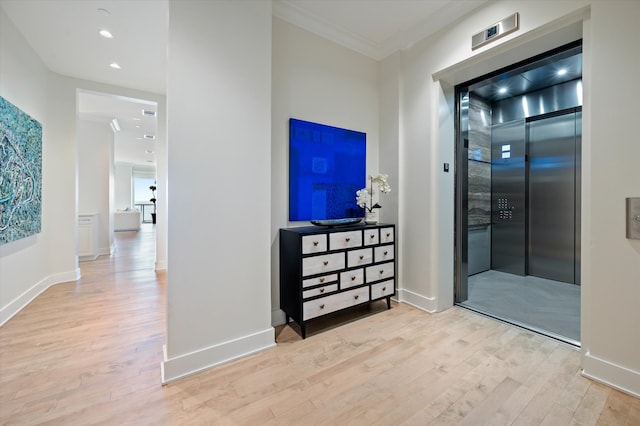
(322, 290)
(361, 257)
(381, 271)
(386, 252)
(388, 234)
(356, 297)
(315, 243)
(384, 288)
(326, 262)
(347, 239)
(353, 278)
(322, 279)
(322, 306)
(372, 236)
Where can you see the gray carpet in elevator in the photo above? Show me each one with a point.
(543, 305)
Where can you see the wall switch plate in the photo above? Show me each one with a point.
(633, 218)
(446, 167)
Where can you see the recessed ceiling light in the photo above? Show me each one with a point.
(104, 12)
(148, 152)
(136, 119)
(502, 90)
(105, 34)
(137, 126)
(148, 113)
(139, 139)
(146, 136)
(114, 65)
(561, 71)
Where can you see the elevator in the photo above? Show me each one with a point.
(535, 195)
(518, 193)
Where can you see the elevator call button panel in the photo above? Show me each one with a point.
(633, 218)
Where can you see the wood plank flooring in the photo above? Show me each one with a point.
(89, 352)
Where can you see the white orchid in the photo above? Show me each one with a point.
(364, 197)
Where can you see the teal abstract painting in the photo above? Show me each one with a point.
(20, 173)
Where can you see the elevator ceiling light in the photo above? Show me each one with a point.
(106, 34)
(561, 71)
(502, 90)
(114, 65)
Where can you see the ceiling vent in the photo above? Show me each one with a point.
(148, 113)
(149, 136)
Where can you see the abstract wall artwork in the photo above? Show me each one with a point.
(20, 173)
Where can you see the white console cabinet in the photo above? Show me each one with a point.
(327, 269)
(88, 237)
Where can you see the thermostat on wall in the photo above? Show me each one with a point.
(495, 31)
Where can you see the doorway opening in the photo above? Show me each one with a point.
(116, 147)
(518, 138)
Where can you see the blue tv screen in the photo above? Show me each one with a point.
(326, 168)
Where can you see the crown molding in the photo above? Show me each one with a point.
(294, 14)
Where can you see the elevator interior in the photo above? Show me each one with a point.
(518, 193)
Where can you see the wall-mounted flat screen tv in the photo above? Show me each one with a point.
(326, 167)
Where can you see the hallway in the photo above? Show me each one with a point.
(89, 352)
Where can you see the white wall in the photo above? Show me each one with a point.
(95, 159)
(123, 186)
(610, 290)
(219, 182)
(319, 81)
(29, 266)
(611, 315)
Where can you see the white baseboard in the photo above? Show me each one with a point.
(16, 305)
(194, 362)
(616, 376)
(416, 300)
(161, 265)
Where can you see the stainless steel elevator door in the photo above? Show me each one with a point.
(552, 197)
(508, 198)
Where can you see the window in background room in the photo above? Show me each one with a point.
(142, 196)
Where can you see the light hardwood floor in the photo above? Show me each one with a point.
(89, 352)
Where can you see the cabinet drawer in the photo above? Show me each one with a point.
(320, 291)
(383, 253)
(325, 263)
(325, 279)
(380, 272)
(359, 257)
(371, 237)
(382, 289)
(386, 235)
(351, 278)
(314, 243)
(335, 302)
(342, 240)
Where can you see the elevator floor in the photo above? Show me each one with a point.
(546, 306)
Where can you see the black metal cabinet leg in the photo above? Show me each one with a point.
(303, 330)
(388, 302)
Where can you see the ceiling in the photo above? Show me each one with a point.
(547, 71)
(64, 33)
(135, 142)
